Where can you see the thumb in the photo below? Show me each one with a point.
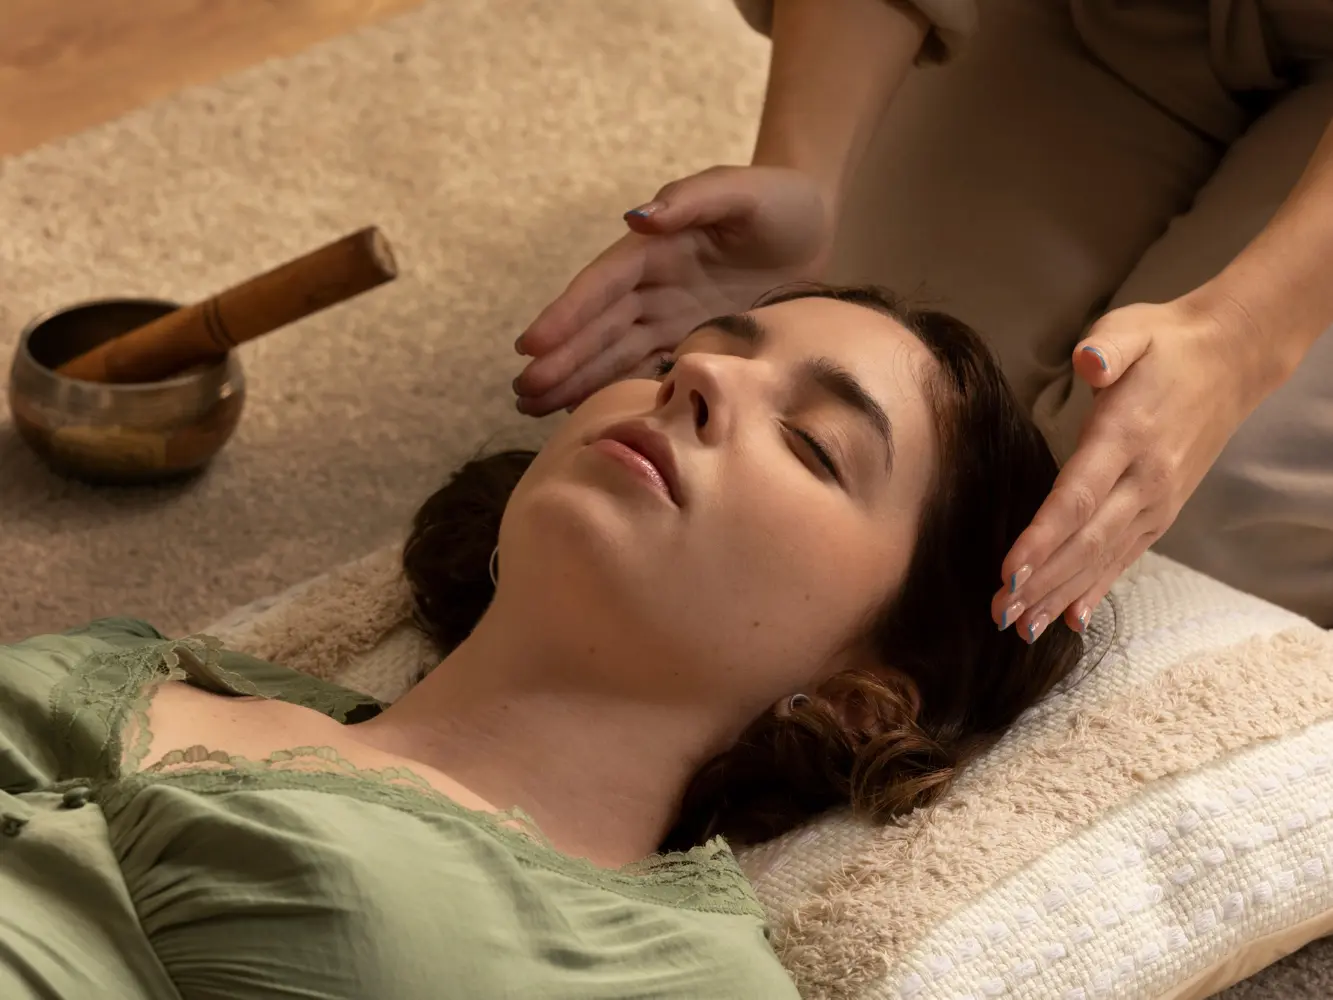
(702, 199)
(1109, 349)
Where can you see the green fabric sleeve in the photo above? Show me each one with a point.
(31, 748)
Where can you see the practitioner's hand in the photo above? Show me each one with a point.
(705, 245)
(1171, 383)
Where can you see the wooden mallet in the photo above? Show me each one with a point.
(204, 332)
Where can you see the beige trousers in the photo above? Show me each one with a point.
(1083, 155)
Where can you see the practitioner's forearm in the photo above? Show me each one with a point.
(835, 66)
(1280, 287)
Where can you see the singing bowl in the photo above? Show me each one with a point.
(121, 434)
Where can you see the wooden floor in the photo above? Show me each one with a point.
(66, 65)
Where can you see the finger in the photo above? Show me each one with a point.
(622, 359)
(1080, 611)
(702, 199)
(626, 356)
(1065, 600)
(545, 373)
(595, 289)
(1110, 349)
(1102, 457)
(1088, 551)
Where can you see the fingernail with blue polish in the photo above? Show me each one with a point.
(1101, 358)
(1036, 627)
(1083, 620)
(643, 211)
(1010, 614)
(1019, 577)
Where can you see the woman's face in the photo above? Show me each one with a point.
(722, 534)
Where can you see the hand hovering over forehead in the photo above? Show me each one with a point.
(704, 246)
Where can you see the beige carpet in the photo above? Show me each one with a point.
(496, 142)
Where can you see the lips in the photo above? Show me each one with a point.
(655, 447)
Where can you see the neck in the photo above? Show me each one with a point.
(504, 715)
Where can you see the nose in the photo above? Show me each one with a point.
(706, 389)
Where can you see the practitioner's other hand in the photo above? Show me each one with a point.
(703, 246)
(1172, 383)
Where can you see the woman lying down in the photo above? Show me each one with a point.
(751, 590)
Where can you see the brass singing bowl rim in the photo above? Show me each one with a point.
(181, 381)
(188, 418)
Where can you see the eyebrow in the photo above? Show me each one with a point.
(831, 377)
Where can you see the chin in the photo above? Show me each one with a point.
(593, 547)
(575, 536)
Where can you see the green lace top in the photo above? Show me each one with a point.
(207, 875)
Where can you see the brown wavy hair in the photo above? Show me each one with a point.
(882, 742)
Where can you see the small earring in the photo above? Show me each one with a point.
(495, 566)
(797, 701)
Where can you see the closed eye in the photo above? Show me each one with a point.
(816, 450)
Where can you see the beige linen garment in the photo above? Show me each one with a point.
(1065, 158)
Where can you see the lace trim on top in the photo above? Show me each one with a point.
(100, 711)
(105, 701)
